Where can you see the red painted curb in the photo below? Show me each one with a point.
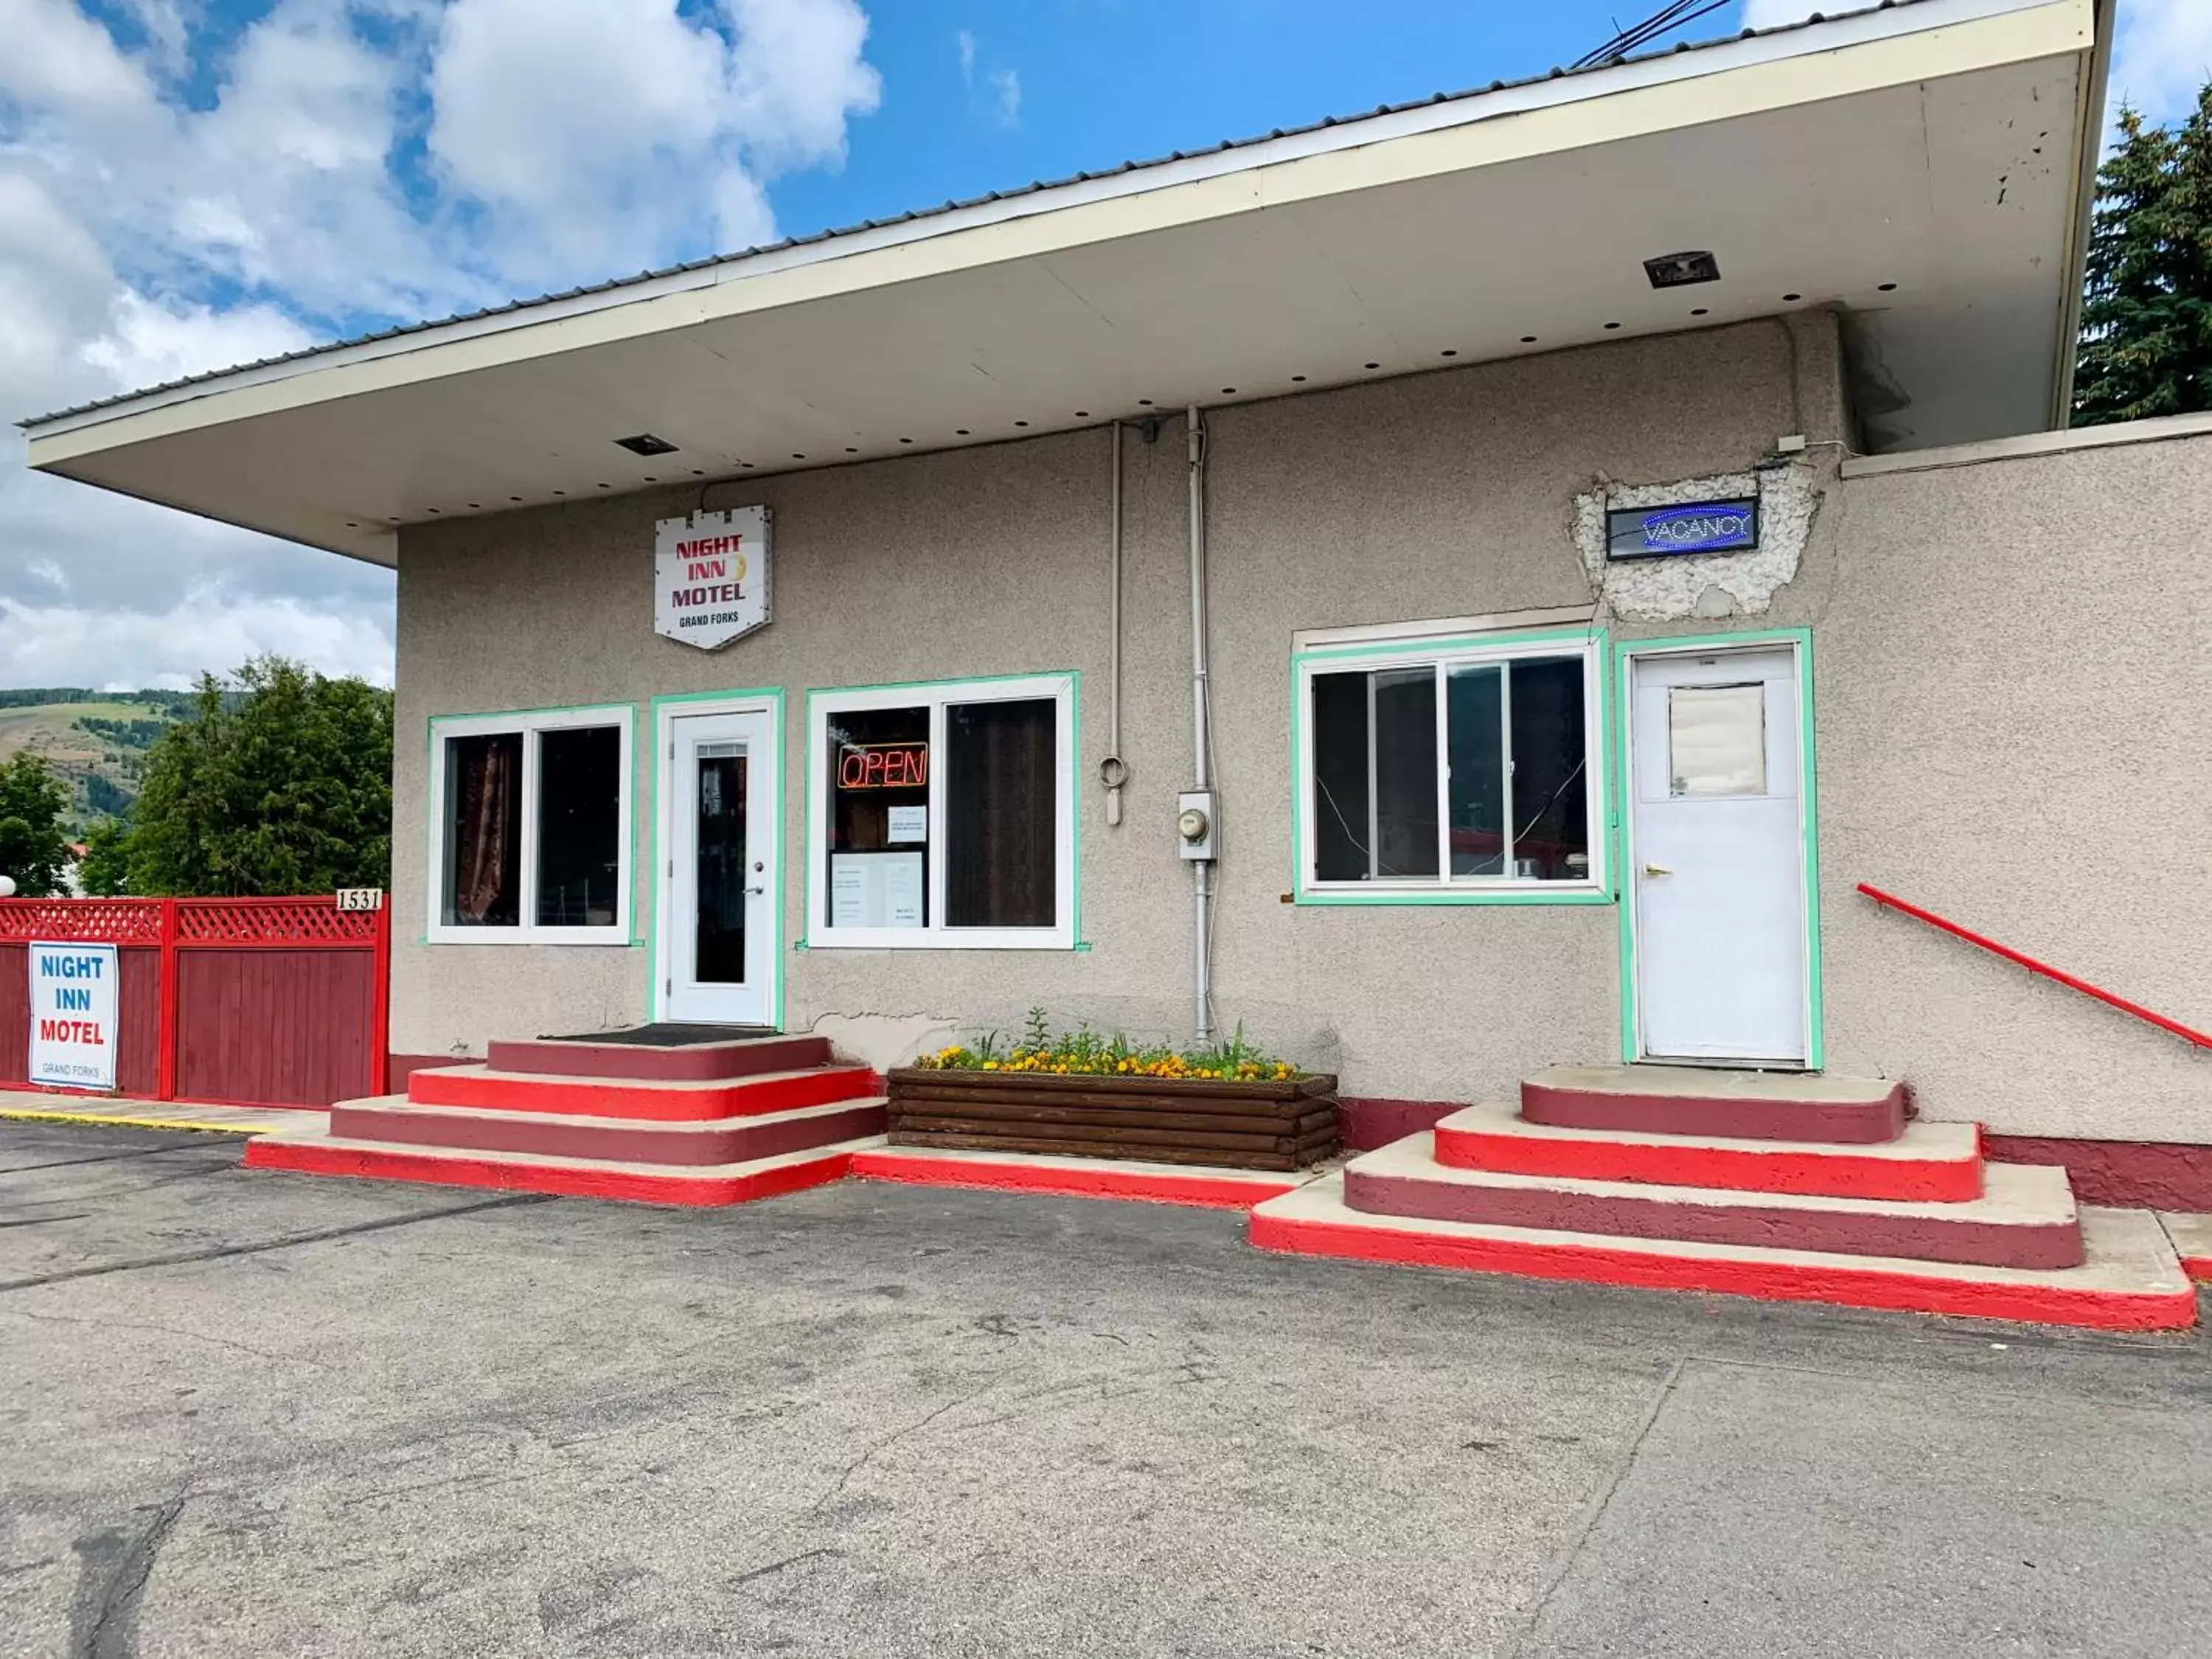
(1818, 1174)
(2039, 1304)
(698, 1062)
(545, 1135)
(746, 1097)
(300, 1157)
(1205, 1191)
(2198, 1267)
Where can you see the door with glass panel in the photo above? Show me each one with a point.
(718, 879)
(1717, 857)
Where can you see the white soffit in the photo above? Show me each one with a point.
(1917, 167)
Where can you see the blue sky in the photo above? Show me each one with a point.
(190, 184)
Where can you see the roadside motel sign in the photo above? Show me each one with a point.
(710, 577)
(74, 1007)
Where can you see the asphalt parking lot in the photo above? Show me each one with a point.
(253, 1413)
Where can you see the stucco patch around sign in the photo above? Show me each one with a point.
(1705, 584)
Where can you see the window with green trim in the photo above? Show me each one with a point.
(1451, 767)
(530, 818)
(943, 816)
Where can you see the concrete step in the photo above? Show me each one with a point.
(321, 1153)
(2130, 1280)
(1689, 1100)
(1932, 1161)
(1073, 1177)
(622, 1139)
(686, 1062)
(2025, 1219)
(667, 1102)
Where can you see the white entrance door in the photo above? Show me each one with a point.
(1717, 856)
(719, 882)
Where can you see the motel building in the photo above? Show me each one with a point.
(1567, 610)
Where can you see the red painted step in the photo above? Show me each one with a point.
(1930, 1162)
(1687, 1100)
(659, 1103)
(690, 1062)
(2132, 1280)
(2026, 1219)
(319, 1152)
(393, 1118)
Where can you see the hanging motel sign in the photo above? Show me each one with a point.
(710, 577)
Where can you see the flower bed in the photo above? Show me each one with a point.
(1088, 1097)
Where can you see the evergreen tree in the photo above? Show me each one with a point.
(280, 782)
(2146, 345)
(33, 848)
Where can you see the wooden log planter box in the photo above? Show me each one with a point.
(1227, 1123)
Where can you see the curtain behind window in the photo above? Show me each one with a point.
(484, 844)
(1001, 803)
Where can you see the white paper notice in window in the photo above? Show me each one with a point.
(910, 823)
(875, 890)
(1716, 739)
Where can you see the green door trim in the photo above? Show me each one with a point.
(767, 700)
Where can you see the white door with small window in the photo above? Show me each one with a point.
(1716, 866)
(719, 882)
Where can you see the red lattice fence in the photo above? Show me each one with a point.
(259, 1002)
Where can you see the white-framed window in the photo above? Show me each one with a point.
(531, 820)
(942, 815)
(1449, 769)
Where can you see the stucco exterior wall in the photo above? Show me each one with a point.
(2015, 695)
(1936, 601)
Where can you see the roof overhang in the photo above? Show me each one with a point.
(1924, 167)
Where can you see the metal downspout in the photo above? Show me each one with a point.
(1201, 870)
(1113, 771)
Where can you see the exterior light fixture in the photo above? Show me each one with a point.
(646, 444)
(1681, 269)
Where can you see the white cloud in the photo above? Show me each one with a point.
(209, 627)
(2162, 50)
(153, 340)
(624, 106)
(1005, 102)
(359, 161)
(1773, 14)
(2162, 55)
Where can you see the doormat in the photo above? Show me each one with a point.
(666, 1035)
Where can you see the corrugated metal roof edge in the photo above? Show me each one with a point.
(1030, 188)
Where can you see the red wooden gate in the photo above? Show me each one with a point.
(248, 1002)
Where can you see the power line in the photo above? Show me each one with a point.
(1637, 36)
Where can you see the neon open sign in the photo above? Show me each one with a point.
(882, 766)
(1658, 532)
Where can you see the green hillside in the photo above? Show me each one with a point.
(95, 741)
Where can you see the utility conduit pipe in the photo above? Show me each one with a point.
(1202, 869)
(1114, 771)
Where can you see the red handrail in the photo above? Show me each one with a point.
(2034, 966)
